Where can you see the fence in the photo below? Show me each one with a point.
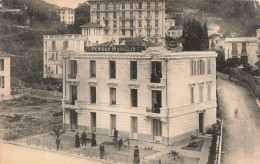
(220, 143)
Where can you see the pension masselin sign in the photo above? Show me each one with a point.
(115, 49)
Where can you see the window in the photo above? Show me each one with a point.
(92, 68)
(148, 5)
(192, 94)
(112, 69)
(140, 5)
(69, 12)
(53, 45)
(148, 14)
(114, 5)
(131, 5)
(156, 4)
(192, 67)
(234, 48)
(123, 24)
(114, 24)
(2, 64)
(65, 45)
(98, 22)
(148, 33)
(123, 15)
(131, 24)
(156, 14)
(140, 14)
(200, 67)
(123, 32)
(2, 81)
(106, 6)
(156, 23)
(72, 12)
(112, 96)
(140, 33)
(131, 32)
(93, 95)
(134, 97)
(209, 92)
(243, 48)
(123, 5)
(45, 45)
(63, 11)
(98, 15)
(201, 93)
(114, 14)
(73, 69)
(140, 23)
(133, 70)
(209, 66)
(156, 72)
(98, 6)
(131, 14)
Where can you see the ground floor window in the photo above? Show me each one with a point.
(2, 81)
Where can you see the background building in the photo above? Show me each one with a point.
(5, 84)
(168, 24)
(67, 15)
(175, 32)
(153, 94)
(130, 18)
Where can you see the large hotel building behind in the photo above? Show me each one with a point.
(152, 95)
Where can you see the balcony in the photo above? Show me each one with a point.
(156, 82)
(72, 104)
(148, 27)
(156, 113)
(73, 78)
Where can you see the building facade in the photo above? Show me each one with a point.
(153, 95)
(5, 84)
(67, 15)
(131, 18)
(175, 32)
(168, 24)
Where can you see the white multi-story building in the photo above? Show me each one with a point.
(54, 45)
(131, 18)
(152, 95)
(5, 85)
(67, 15)
(245, 48)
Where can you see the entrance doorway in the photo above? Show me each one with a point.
(157, 130)
(112, 123)
(73, 120)
(93, 122)
(134, 127)
(201, 122)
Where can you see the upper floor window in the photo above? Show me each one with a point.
(114, 14)
(115, 24)
(234, 48)
(73, 69)
(148, 14)
(192, 94)
(243, 47)
(98, 6)
(2, 65)
(140, 5)
(2, 81)
(123, 5)
(53, 45)
(209, 66)
(98, 15)
(131, 14)
(156, 72)
(112, 96)
(140, 14)
(201, 67)
(93, 95)
(140, 23)
(123, 15)
(63, 11)
(106, 6)
(133, 70)
(156, 4)
(201, 92)
(114, 5)
(45, 45)
(156, 23)
(112, 69)
(192, 67)
(65, 45)
(156, 14)
(209, 92)
(134, 97)
(148, 5)
(131, 5)
(92, 68)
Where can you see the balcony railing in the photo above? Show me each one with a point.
(106, 18)
(153, 110)
(148, 27)
(73, 77)
(155, 78)
(69, 102)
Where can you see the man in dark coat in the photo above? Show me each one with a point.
(77, 143)
(84, 138)
(93, 140)
(115, 135)
(136, 155)
(156, 108)
(58, 143)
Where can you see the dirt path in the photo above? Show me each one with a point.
(241, 142)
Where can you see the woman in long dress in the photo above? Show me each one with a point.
(93, 140)
(136, 155)
(77, 143)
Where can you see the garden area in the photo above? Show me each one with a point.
(34, 112)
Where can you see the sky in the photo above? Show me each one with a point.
(66, 3)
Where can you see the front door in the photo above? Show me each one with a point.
(157, 130)
(112, 123)
(201, 122)
(93, 122)
(73, 120)
(134, 127)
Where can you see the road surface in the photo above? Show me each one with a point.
(241, 136)
(13, 154)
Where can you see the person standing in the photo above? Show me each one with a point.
(77, 143)
(115, 135)
(93, 140)
(102, 150)
(58, 143)
(84, 138)
(236, 113)
(136, 155)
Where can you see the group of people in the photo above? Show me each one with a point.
(84, 139)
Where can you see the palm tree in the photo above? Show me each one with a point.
(174, 154)
(58, 131)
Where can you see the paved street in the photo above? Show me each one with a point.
(241, 143)
(13, 154)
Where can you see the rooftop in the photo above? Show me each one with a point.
(65, 8)
(5, 54)
(175, 28)
(241, 39)
(91, 25)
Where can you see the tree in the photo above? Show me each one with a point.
(220, 61)
(195, 37)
